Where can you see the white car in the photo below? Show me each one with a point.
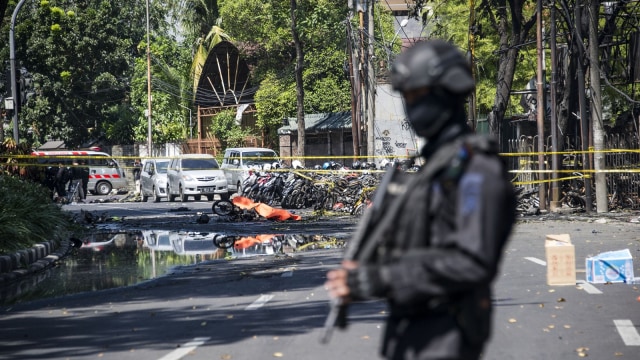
(239, 162)
(196, 175)
(153, 179)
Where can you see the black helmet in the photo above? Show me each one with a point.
(432, 63)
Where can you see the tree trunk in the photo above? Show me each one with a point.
(299, 87)
(511, 32)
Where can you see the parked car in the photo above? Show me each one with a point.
(239, 162)
(153, 179)
(196, 175)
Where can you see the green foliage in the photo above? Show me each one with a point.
(227, 130)
(169, 84)
(275, 99)
(82, 56)
(264, 29)
(28, 216)
(449, 20)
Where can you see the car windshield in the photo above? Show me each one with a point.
(259, 157)
(161, 166)
(199, 164)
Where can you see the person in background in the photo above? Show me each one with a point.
(76, 182)
(62, 177)
(137, 168)
(438, 253)
(85, 173)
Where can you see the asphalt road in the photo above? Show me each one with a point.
(274, 306)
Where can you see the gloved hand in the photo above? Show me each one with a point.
(368, 281)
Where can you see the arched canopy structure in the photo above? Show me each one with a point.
(224, 84)
(225, 79)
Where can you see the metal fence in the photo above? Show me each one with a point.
(621, 155)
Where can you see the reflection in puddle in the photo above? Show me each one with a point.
(116, 259)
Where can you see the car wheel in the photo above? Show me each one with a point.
(170, 197)
(183, 197)
(210, 197)
(225, 196)
(103, 188)
(197, 197)
(156, 197)
(144, 197)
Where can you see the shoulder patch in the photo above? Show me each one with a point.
(470, 192)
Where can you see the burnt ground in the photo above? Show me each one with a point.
(332, 224)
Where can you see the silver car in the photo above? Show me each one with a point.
(153, 179)
(196, 175)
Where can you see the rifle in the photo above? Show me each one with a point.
(367, 236)
(338, 311)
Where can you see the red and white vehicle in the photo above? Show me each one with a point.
(105, 174)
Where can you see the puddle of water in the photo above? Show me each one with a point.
(117, 259)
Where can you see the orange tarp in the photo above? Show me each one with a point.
(249, 241)
(264, 210)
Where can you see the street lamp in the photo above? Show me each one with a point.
(12, 63)
(190, 124)
(403, 23)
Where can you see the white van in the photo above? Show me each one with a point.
(105, 174)
(237, 163)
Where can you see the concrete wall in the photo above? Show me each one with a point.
(393, 136)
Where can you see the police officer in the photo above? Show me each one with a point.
(436, 262)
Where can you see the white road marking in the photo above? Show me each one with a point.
(588, 287)
(263, 299)
(628, 332)
(537, 261)
(185, 349)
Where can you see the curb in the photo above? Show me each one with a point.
(30, 261)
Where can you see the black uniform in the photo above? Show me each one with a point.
(62, 178)
(77, 174)
(436, 265)
(435, 248)
(85, 174)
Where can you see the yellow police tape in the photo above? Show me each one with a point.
(526, 170)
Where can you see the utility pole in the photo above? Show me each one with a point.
(149, 133)
(370, 83)
(555, 189)
(472, 98)
(602, 201)
(354, 81)
(363, 78)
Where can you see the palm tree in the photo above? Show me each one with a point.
(215, 36)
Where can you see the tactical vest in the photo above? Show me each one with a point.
(396, 224)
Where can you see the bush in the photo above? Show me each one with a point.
(28, 216)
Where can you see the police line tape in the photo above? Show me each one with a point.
(18, 161)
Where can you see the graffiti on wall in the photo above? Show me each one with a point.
(388, 145)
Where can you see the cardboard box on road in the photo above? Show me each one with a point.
(561, 260)
(610, 267)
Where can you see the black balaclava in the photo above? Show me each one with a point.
(438, 117)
